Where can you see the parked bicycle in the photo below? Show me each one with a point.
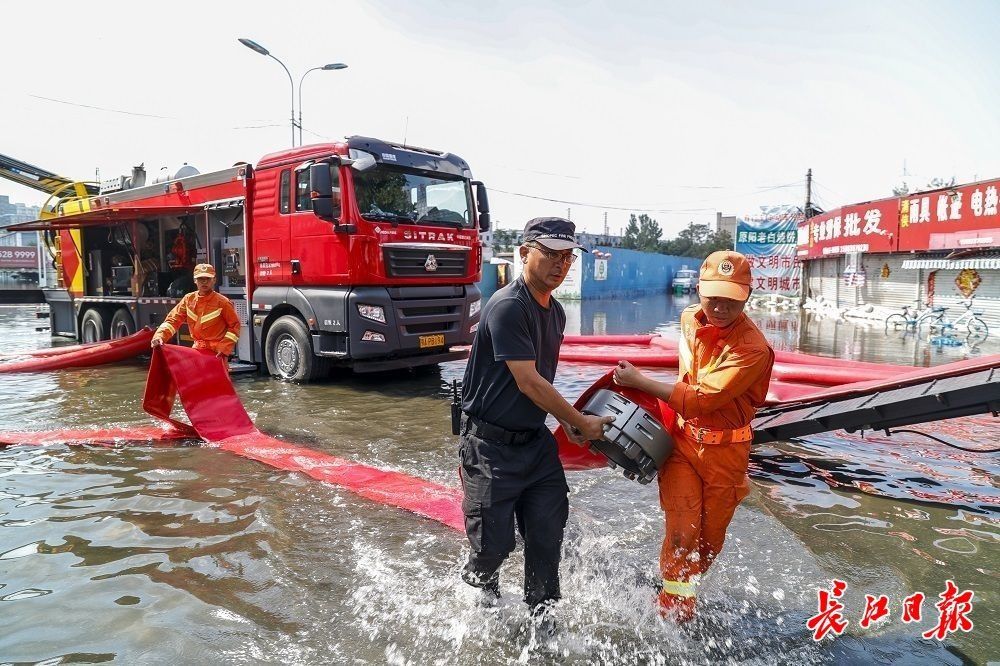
(971, 320)
(910, 317)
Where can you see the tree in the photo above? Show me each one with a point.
(718, 240)
(642, 233)
(934, 184)
(504, 240)
(649, 234)
(631, 239)
(697, 240)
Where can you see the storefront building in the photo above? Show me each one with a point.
(940, 247)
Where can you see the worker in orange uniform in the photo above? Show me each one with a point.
(210, 317)
(724, 369)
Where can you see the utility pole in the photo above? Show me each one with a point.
(605, 225)
(569, 214)
(809, 185)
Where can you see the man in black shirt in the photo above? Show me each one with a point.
(510, 463)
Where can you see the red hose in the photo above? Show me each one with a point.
(607, 339)
(84, 356)
(49, 351)
(202, 382)
(828, 375)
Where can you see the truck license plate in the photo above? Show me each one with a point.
(432, 341)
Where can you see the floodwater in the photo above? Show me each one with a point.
(182, 554)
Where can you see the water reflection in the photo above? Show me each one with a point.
(787, 330)
(134, 553)
(623, 316)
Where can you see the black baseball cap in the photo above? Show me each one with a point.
(554, 233)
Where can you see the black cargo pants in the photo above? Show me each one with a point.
(508, 482)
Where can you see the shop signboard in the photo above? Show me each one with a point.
(961, 217)
(867, 227)
(14, 256)
(768, 241)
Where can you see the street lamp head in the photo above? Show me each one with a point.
(250, 44)
(335, 65)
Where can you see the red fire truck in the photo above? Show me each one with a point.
(361, 253)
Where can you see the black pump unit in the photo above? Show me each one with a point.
(636, 441)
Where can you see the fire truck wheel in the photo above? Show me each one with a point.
(93, 328)
(289, 352)
(122, 325)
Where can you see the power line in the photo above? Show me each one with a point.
(149, 115)
(642, 209)
(101, 108)
(829, 190)
(601, 206)
(242, 127)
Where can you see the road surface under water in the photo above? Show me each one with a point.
(183, 554)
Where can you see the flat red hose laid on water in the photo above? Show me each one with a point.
(83, 356)
(608, 339)
(658, 352)
(48, 351)
(202, 382)
(914, 376)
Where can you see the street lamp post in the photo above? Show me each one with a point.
(254, 46)
(331, 66)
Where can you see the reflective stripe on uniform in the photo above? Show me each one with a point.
(211, 315)
(232, 336)
(685, 356)
(165, 326)
(678, 588)
(192, 315)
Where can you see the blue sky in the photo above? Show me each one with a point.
(683, 109)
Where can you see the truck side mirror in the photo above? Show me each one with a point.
(321, 192)
(483, 205)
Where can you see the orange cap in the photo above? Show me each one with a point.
(725, 274)
(204, 270)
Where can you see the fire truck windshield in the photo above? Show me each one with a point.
(400, 195)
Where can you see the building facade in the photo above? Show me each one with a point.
(936, 248)
(21, 264)
(725, 223)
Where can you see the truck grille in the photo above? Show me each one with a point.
(422, 317)
(412, 262)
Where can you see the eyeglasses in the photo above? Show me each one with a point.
(566, 257)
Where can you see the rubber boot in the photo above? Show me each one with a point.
(676, 608)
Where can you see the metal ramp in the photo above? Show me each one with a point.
(932, 400)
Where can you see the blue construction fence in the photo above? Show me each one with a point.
(626, 273)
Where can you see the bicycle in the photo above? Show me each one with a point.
(910, 317)
(970, 319)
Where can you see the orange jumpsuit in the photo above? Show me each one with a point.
(211, 319)
(723, 378)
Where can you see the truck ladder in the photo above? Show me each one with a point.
(36, 177)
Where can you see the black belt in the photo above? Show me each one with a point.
(484, 430)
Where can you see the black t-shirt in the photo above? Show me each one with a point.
(514, 327)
